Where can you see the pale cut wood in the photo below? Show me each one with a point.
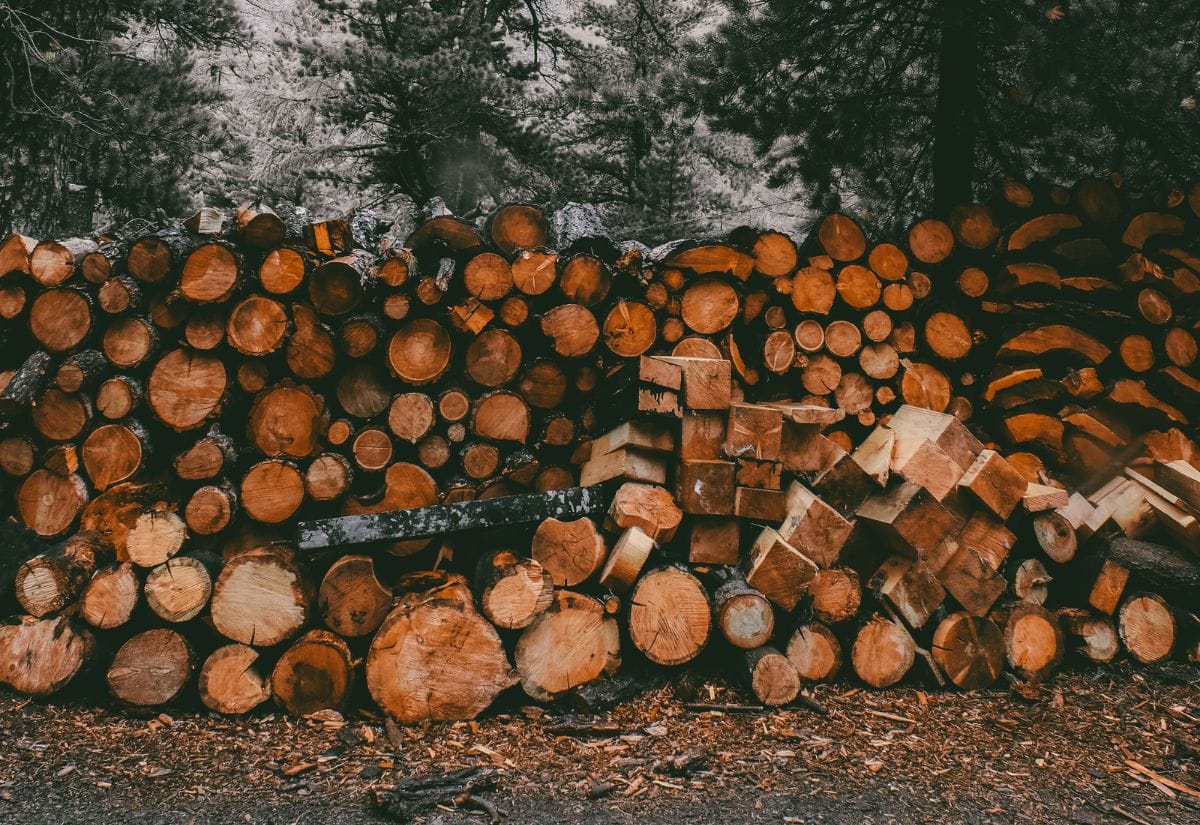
(261, 598)
(815, 652)
(570, 551)
(778, 570)
(576, 641)
(180, 588)
(512, 591)
(109, 599)
(670, 619)
(883, 652)
(647, 507)
(625, 561)
(352, 600)
(773, 678)
(1034, 641)
(40, 657)
(231, 681)
(1148, 628)
(155, 537)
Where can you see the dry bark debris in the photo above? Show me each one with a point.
(983, 757)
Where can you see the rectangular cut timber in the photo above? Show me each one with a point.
(874, 454)
(914, 426)
(1180, 478)
(812, 526)
(439, 519)
(909, 519)
(707, 382)
(994, 483)
(629, 463)
(753, 431)
(937, 558)
(988, 537)
(656, 372)
(971, 580)
(1078, 512)
(714, 540)
(702, 435)
(1128, 508)
(646, 386)
(1109, 586)
(803, 449)
(653, 436)
(779, 571)
(809, 413)
(758, 504)
(843, 484)
(1039, 497)
(931, 467)
(767, 475)
(909, 587)
(705, 487)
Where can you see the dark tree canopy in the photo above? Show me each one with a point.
(922, 102)
(101, 108)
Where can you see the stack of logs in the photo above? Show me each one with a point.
(281, 372)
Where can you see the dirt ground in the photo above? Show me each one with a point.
(1113, 746)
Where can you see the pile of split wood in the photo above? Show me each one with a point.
(765, 421)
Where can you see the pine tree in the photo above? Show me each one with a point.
(105, 108)
(622, 138)
(927, 101)
(437, 95)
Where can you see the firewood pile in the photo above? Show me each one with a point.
(816, 457)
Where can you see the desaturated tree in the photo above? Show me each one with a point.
(437, 96)
(621, 135)
(913, 103)
(104, 107)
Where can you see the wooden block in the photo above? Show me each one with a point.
(758, 504)
(753, 432)
(937, 558)
(930, 466)
(714, 540)
(702, 435)
(649, 508)
(656, 371)
(652, 436)
(994, 483)
(909, 519)
(779, 571)
(706, 487)
(914, 426)
(874, 454)
(767, 475)
(626, 560)
(813, 527)
(988, 537)
(629, 463)
(1180, 478)
(707, 382)
(803, 449)
(1039, 497)
(658, 402)
(843, 484)
(909, 587)
(972, 581)
(1108, 587)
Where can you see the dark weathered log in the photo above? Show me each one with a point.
(442, 519)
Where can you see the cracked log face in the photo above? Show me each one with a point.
(570, 551)
(261, 598)
(576, 641)
(436, 659)
(670, 619)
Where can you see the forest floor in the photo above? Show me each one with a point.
(1111, 746)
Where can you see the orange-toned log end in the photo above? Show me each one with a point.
(151, 668)
(39, 657)
(1034, 641)
(513, 591)
(574, 642)
(436, 658)
(1148, 628)
(261, 598)
(315, 673)
(771, 677)
(841, 238)
(232, 681)
(571, 551)
(352, 600)
(883, 652)
(969, 650)
(670, 619)
(815, 652)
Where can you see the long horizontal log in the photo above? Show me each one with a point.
(445, 519)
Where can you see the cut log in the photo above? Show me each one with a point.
(512, 591)
(626, 560)
(61, 319)
(419, 352)
(931, 241)
(883, 652)
(969, 650)
(40, 657)
(151, 668)
(186, 389)
(815, 652)
(1034, 641)
(841, 238)
(836, 595)
(180, 588)
(232, 682)
(576, 641)
(315, 673)
(910, 587)
(110, 597)
(670, 618)
(352, 600)
(570, 551)
(155, 537)
(778, 570)
(1094, 636)
(772, 678)
(50, 581)
(49, 503)
(272, 491)
(1030, 581)
(261, 598)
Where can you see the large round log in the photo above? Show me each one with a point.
(512, 591)
(315, 673)
(815, 652)
(261, 598)
(180, 588)
(151, 668)
(352, 600)
(110, 597)
(231, 681)
(570, 551)
(436, 658)
(883, 652)
(969, 650)
(670, 619)
(41, 656)
(574, 642)
(186, 389)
